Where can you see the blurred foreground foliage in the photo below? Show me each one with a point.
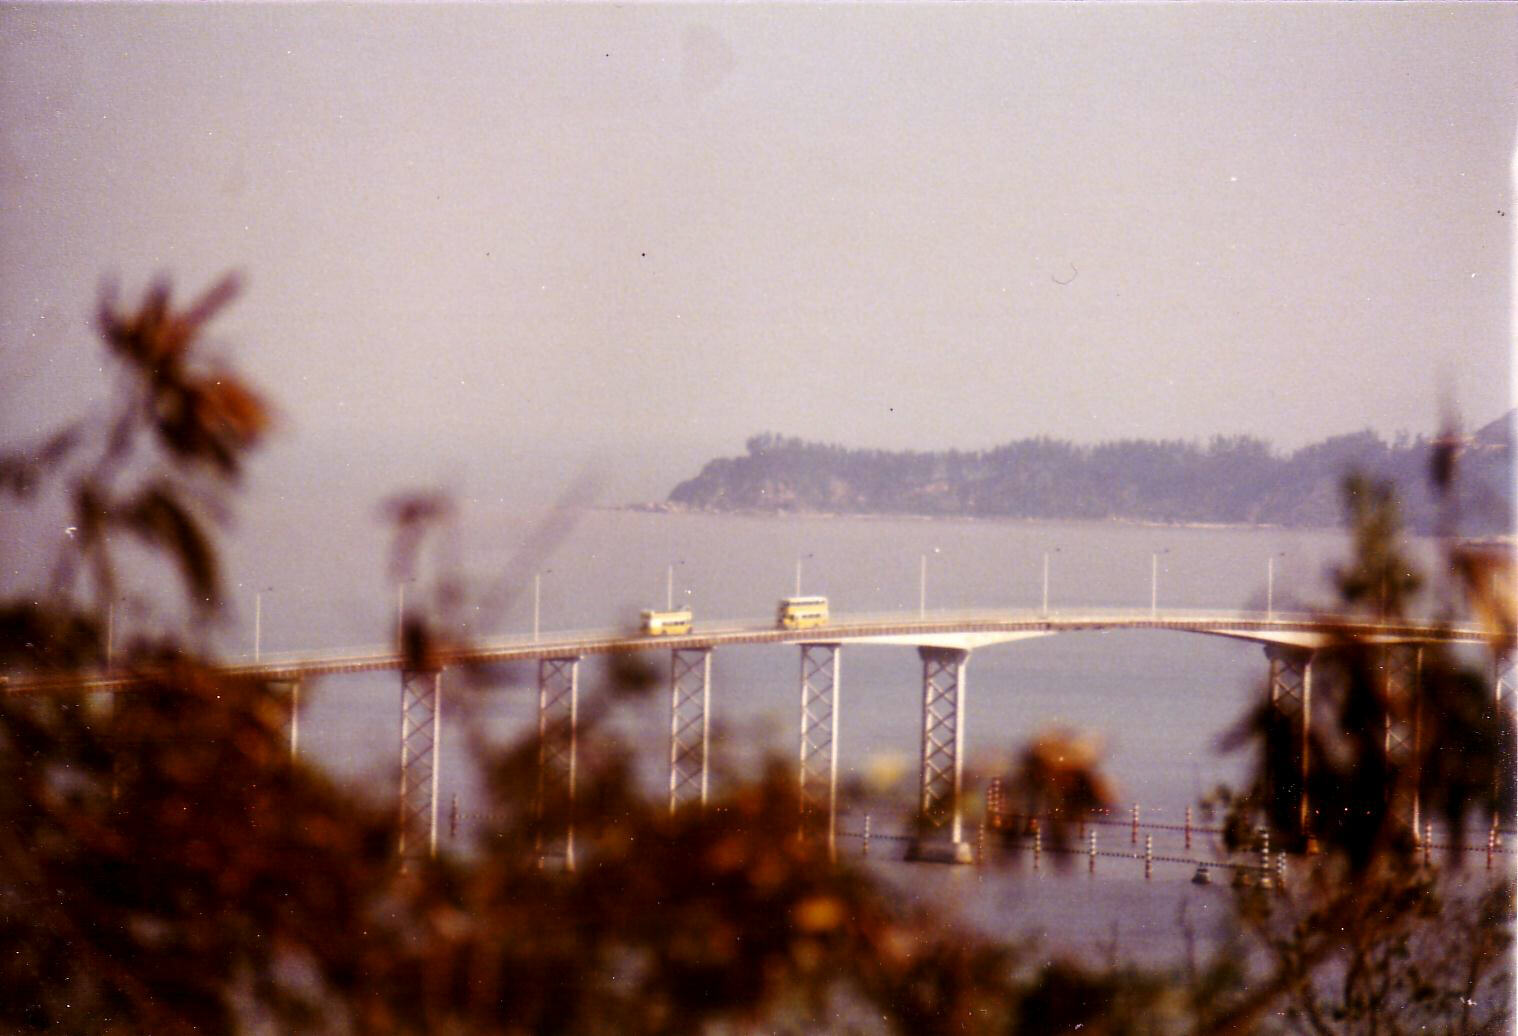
(166, 867)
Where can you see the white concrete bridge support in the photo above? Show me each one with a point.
(940, 835)
(558, 718)
(1504, 684)
(690, 690)
(421, 749)
(1291, 702)
(820, 707)
(290, 689)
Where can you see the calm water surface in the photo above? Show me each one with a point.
(1157, 701)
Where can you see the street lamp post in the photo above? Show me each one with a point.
(669, 585)
(922, 586)
(400, 612)
(258, 621)
(537, 601)
(798, 572)
(1154, 581)
(1270, 585)
(1044, 610)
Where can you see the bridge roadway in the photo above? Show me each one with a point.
(944, 641)
(961, 630)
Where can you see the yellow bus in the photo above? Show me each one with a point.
(660, 624)
(799, 613)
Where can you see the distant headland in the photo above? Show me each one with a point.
(1235, 480)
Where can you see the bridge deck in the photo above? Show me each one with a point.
(967, 629)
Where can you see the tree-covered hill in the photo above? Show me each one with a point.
(1235, 479)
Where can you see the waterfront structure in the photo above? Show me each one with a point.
(944, 641)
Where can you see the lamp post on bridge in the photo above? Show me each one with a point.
(922, 587)
(1270, 585)
(1154, 581)
(537, 600)
(258, 621)
(1044, 610)
(798, 572)
(669, 585)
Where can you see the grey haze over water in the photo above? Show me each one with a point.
(488, 245)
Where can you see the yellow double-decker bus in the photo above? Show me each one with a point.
(799, 613)
(661, 624)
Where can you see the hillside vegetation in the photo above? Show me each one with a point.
(1233, 479)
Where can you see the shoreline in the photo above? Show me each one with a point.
(1508, 540)
(990, 519)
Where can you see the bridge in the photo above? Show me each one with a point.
(944, 640)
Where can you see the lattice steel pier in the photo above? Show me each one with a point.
(820, 704)
(421, 752)
(690, 683)
(558, 716)
(1290, 733)
(940, 815)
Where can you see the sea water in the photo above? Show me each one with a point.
(1157, 702)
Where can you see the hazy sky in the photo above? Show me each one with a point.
(645, 233)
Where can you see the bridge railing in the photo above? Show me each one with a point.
(1067, 614)
(843, 622)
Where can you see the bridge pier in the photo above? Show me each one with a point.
(940, 815)
(421, 748)
(1289, 734)
(1401, 671)
(818, 776)
(291, 690)
(1504, 683)
(558, 717)
(690, 683)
